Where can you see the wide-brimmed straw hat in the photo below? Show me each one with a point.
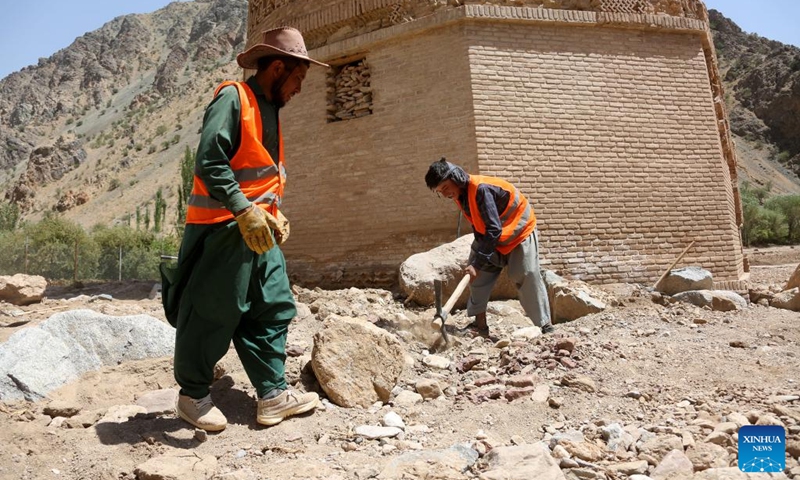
(286, 41)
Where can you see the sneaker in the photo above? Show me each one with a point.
(288, 403)
(549, 328)
(201, 413)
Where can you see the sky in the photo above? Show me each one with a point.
(39, 28)
(774, 19)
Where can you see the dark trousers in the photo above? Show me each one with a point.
(232, 294)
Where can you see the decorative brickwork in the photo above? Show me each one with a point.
(617, 133)
(623, 6)
(349, 91)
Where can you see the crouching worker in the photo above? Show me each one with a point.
(505, 236)
(230, 283)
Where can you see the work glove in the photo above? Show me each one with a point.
(255, 229)
(280, 227)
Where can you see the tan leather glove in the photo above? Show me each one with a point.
(255, 229)
(280, 227)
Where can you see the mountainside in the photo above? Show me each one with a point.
(762, 80)
(98, 128)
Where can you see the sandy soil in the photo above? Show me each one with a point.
(657, 367)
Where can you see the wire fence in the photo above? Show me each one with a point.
(84, 258)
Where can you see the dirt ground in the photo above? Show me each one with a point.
(657, 367)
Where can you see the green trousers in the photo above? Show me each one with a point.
(229, 293)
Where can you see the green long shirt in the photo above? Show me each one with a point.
(219, 141)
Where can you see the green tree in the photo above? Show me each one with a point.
(9, 216)
(147, 217)
(187, 178)
(160, 209)
(789, 207)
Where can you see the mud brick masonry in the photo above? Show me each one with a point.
(608, 114)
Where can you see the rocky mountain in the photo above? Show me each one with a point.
(114, 110)
(98, 128)
(762, 80)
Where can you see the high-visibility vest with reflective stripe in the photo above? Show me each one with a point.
(518, 220)
(260, 178)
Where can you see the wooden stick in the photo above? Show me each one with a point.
(669, 269)
(455, 295)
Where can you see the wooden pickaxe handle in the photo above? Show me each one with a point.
(455, 295)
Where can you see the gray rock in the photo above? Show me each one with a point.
(392, 419)
(179, 465)
(407, 398)
(718, 300)
(374, 432)
(733, 473)
(707, 455)
(674, 466)
(686, 279)
(788, 300)
(121, 413)
(629, 468)
(523, 462)
(437, 362)
(36, 360)
(448, 464)
(159, 401)
(616, 437)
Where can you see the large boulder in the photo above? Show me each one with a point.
(794, 280)
(787, 300)
(22, 289)
(522, 462)
(445, 262)
(355, 362)
(36, 360)
(687, 279)
(718, 300)
(572, 299)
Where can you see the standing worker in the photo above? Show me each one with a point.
(505, 235)
(230, 282)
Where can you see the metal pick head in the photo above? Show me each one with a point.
(437, 292)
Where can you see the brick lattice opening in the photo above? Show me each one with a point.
(622, 6)
(349, 91)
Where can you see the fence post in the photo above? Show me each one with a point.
(120, 263)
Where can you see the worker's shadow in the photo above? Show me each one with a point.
(169, 429)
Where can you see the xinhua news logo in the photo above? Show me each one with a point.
(762, 448)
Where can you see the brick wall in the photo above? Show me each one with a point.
(356, 194)
(612, 133)
(608, 126)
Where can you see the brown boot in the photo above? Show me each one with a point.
(288, 403)
(201, 413)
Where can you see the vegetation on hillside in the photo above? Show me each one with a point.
(58, 248)
(769, 220)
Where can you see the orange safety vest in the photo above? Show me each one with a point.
(260, 178)
(518, 219)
